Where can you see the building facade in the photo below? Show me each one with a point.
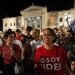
(38, 17)
(9, 23)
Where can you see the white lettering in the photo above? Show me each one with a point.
(48, 60)
(42, 60)
(53, 59)
(43, 65)
(49, 66)
(58, 59)
(57, 66)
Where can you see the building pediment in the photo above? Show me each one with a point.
(33, 8)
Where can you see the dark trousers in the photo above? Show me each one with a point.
(8, 69)
(1, 63)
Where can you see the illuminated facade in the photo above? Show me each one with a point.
(38, 17)
(9, 23)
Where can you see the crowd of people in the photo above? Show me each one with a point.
(37, 52)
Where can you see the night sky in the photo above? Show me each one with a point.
(14, 7)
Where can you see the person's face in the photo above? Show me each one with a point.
(35, 34)
(10, 38)
(48, 37)
(73, 66)
(28, 32)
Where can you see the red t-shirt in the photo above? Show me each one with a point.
(7, 53)
(18, 36)
(50, 62)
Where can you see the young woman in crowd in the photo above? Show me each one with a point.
(11, 53)
(50, 59)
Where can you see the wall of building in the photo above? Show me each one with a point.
(66, 16)
(52, 19)
(48, 19)
(36, 13)
(9, 23)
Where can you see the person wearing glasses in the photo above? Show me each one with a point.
(50, 59)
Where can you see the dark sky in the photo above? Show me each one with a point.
(14, 7)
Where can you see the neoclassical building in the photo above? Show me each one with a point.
(39, 17)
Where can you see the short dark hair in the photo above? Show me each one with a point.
(18, 30)
(72, 58)
(37, 30)
(29, 28)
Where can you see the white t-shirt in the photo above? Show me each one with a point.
(35, 44)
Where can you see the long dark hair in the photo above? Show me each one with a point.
(7, 33)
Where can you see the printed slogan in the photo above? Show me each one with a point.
(52, 63)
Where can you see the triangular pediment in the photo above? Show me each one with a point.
(33, 8)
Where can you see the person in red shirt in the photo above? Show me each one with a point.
(10, 53)
(50, 59)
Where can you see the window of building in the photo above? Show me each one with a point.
(10, 24)
(5, 24)
(60, 19)
(14, 24)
